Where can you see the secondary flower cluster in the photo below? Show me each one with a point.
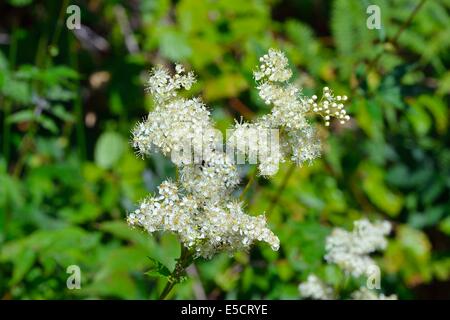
(350, 251)
(199, 207)
(298, 139)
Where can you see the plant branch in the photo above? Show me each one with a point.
(249, 184)
(185, 259)
(281, 188)
(397, 35)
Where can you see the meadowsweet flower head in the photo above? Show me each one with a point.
(206, 227)
(199, 206)
(350, 250)
(289, 114)
(180, 122)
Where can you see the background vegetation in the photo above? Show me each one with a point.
(68, 176)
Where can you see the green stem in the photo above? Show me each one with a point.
(393, 41)
(182, 263)
(59, 24)
(249, 184)
(7, 103)
(169, 286)
(281, 188)
(78, 105)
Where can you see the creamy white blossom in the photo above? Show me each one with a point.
(274, 67)
(163, 86)
(206, 227)
(350, 250)
(214, 178)
(199, 207)
(178, 123)
(314, 288)
(290, 109)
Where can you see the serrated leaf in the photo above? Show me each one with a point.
(158, 269)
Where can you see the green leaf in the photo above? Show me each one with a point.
(109, 149)
(22, 264)
(21, 116)
(419, 119)
(122, 230)
(444, 226)
(228, 85)
(60, 112)
(415, 241)
(58, 93)
(48, 124)
(438, 109)
(18, 91)
(378, 192)
(158, 269)
(3, 62)
(427, 218)
(20, 3)
(174, 46)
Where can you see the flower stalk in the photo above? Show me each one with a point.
(184, 261)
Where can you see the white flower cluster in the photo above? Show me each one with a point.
(330, 106)
(162, 86)
(316, 289)
(206, 227)
(175, 123)
(199, 207)
(288, 114)
(350, 250)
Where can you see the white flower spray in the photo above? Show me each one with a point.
(199, 207)
(290, 109)
(350, 251)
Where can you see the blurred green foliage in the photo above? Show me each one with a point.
(68, 100)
